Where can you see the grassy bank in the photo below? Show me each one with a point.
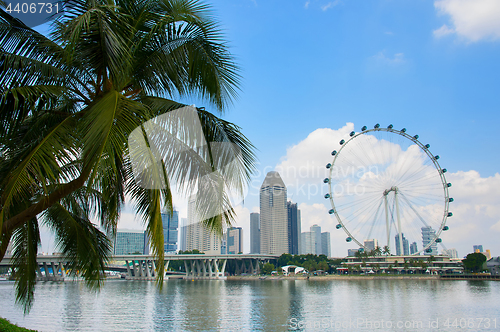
(6, 326)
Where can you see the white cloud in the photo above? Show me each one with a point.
(471, 20)
(397, 59)
(330, 5)
(443, 31)
(306, 5)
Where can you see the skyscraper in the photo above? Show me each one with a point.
(413, 248)
(183, 236)
(427, 235)
(317, 239)
(478, 248)
(198, 236)
(131, 242)
(170, 226)
(273, 215)
(406, 249)
(326, 248)
(370, 244)
(307, 243)
(293, 228)
(234, 240)
(254, 233)
(315, 242)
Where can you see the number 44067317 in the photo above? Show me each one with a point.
(33, 8)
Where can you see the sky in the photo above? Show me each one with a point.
(312, 71)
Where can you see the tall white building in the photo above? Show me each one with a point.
(315, 242)
(198, 236)
(273, 215)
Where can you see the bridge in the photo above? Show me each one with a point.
(143, 267)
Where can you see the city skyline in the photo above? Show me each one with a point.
(366, 66)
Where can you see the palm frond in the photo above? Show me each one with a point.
(84, 246)
(26, 240)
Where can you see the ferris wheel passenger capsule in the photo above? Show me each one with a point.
(377, 126)
(339, 226)
(352, 133)
(427, 146)
(328, 165)
(326, 180)
(436, 157)
(349, 239)
(331, 211)
(450, 199)
(450, 214)
(444, 170)
(364, 128)
(448, 185)
(445, 228)
(403, 130)
(342, 142)
(415, 137)
(428, 250)
(327, 196)
(438, 240)
(390, 126)
(334, 152)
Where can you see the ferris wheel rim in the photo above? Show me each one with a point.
(423, 148)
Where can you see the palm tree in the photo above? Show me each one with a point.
(70, 102)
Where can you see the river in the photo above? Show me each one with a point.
(260, 305)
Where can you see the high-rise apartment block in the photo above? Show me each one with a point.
(294, 228)
(406, 249)
(183, 235)
(315, 242)
(170, 226)
(370, 244)
(198, 236)
(452, 252)
(234, 240)
(131, 242)
(273, 215)
(427, 235)
(254, 233)
(413, 248)
(326, 248)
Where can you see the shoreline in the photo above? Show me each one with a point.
(332, 277)
(354, 277)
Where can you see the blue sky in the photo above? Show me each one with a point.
(311, 70)
(429, 66)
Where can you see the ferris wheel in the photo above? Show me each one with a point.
(387, 190)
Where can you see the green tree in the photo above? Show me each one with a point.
(69, 103)
(474, 262)
(268, 268)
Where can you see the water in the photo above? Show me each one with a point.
(260, 305)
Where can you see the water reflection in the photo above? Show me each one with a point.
(259, 305)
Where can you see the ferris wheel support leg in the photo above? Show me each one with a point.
(388, 230)
(401, 251)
